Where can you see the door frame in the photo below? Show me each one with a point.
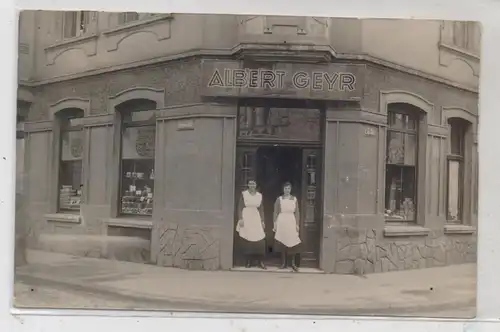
(255, 143)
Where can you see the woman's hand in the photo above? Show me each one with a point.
(240, 222)
(274, 228)
(297, 227)
(263, 225)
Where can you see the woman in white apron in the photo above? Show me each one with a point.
(251, 225)
(286, 226)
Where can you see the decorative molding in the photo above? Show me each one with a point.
(64, 218)
(65, 103)
(38, 126)
(449, 53)
(98, 120)
(289, 52)
(448, 112)
(405, 231)
(86, 44)
(118, 34)
(400, 96)
(459, 229)
(437, 130)
(23, 94)
(192, 111)
(156, 95)
(460, 51)
(356, 115)
(228, 53)
(129, 223)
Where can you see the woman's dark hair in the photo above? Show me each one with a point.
(287, 184)
(251, 180)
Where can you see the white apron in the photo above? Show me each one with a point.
(252, 224)
(286, 224)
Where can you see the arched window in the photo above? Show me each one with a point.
(70, 147)
(137, 157)
(455, 169)
(401, 162)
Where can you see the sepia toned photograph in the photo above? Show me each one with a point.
(247, 164)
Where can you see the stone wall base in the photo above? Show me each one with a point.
(368, 251)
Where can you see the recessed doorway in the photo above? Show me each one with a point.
(275, 166)
(281, 141)
(271, 166)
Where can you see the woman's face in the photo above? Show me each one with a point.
(252, 186)
(287, 190)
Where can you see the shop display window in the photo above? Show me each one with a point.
(137, 164)
(70, 166)
(401, 165)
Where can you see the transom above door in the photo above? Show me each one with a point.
(285, 123)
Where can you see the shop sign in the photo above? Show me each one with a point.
(329, 81)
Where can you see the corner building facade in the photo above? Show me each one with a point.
(141, 153)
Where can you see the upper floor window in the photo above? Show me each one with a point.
(127, 17)
(466, 35)
(137, 157)
(76, 23)
(401, 163)
(456, 160)
(70, 164)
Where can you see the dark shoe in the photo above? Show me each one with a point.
(248, 264)
(262, 265)
(295, 268)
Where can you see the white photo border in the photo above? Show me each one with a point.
(488, 297)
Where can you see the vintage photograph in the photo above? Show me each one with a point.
(249, 164)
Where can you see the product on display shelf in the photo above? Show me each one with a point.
(69, 198)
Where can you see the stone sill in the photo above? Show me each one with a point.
(459, 51)
(129, 223)
(405, 230)
(136, 24)
(459, 229)
(64, 218)
(71, 41)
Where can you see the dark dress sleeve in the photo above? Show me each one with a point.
(241, 206)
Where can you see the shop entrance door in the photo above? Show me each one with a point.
(271, 166)
(280, 141)
(277, 165)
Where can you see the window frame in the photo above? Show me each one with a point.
(122, 109)
(122, 19)
(416, 115)
(59, 129)
(81, 23)
(466, 31)
(123, 127)
(463, 126)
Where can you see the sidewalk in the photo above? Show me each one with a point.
(398, 293)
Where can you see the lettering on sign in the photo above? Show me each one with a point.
(275, 79)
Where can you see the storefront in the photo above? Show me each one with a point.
(384, 164)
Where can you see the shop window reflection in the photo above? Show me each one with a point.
(70, 167)
(137, 163)
(401, 162)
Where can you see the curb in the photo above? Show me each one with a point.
(148, 302)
